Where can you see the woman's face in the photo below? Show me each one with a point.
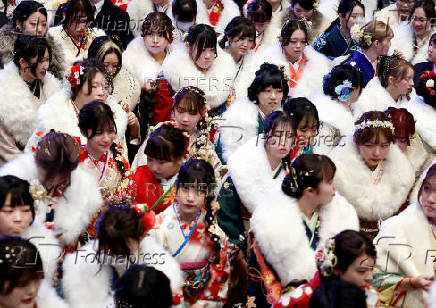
(359, 272)
(357, 15)
(306, 131)
(185, 119)
(240, 47)
(420, 23)
(428, 197)
(404, 7)
(22, 296)
(205, 59)
(40, 70)
(102, 140)
(373, 153)
(190, 198)
(270, 99)
(404, 86)
(35, 25)
(298, 41)
(111, 63)
(325, 192)
(401, 142)
(260, 26)
(163, 169)
(14, 220)
(155, 42)
(99, 90)
(301, 13)
(280, 142)
(50, 182)
(79, 25)
(382, 48)
(431, 55)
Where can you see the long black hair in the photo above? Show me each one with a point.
(345, 7)
(27, 47)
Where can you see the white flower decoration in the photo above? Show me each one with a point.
(429, 83)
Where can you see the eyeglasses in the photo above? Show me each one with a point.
(419, 19)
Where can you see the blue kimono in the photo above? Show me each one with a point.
(361, 62)
(332, 44)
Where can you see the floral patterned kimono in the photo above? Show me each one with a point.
(206, 282)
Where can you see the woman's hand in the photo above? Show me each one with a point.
(132, 122)
(421, 282)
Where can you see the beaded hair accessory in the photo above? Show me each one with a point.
(283, 70)
(302, 175)
(375, 124)
(10, 254)
(75, 72)
(326, 259)
(387, 65)
(191, 89)
(429, 84)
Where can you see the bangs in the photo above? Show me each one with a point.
(247, 32)
(198, 174)
(159, 148)
(328, 171)
(206, 40)
(104, 123)
(370, 133)
(308, 121)
(189, 102)
(258, 16)
(274, 80)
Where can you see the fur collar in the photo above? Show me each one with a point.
(279, 230)
(413, 197)
(416, 154)
(147, 68)
(395, 241)
(246, 73)
(230, 10)
(19, 105)
(251, 172)
(355, 181)
(47, 297)
(424, 116)
(310, 82)
(376, 98)
(240, 123)
(180, 71)
(271, 34)
(59, 114)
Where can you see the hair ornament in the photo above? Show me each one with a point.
(375, 124)
(307, 23)
(283, 71)
(148, 217)
(173, 124)
(429, 84)
(75, 72)
(326, 259)
(294, 182)
(344, 90)
(358, 33)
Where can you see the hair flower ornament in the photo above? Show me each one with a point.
(344, 90)
(326, 259)
(375, 124)
(75, 72)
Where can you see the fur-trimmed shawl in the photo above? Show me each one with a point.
(376, 98)
(431, 299)
(247, 72)
(413, 198)
(180, 71)
(58, 114)
(271, 34)
(404, 246)
(47, 297)
(251, 173)
(279, 230)
(404, 40)
(138, 11)
(230, 11)
(126, 88)
(354, 180)
(239, 124)
(310, 81)
(83, 266)
(425, 116)
(74, 210)
(18, 106)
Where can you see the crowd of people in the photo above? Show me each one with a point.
(217, 153)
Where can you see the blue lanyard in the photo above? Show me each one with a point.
(186, 237)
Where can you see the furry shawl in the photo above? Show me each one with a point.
(279, 230)
(74, 210)
(251, 173)
(246, 74)
(230, 10)
(47, 297)
(271, 34)
(126, 88)
(424, 116)
(404, 40)
(18, 106)
(354, 180)
(83, 265)
(413, 198)
(310, 81)
(408, 253)
(180, 71)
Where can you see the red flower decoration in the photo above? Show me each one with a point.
(215, 14)
(148, 217)
(429, 84)
(74, 78)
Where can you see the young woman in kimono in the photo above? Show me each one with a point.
(341, 88)
(152, 48)
(404, 282)
(374, 40)
(372, 173)
(65, 196)
(17, 215)
(217, 13)
(412, 38)
(189, 231)
(345, 265)
(155, 182)
(305, 122)
(121, 241)
(244, 119)
(22, 283)
(336, 40)
(304, 66)
(203, 65)
(307, 199)
(25, 85)
(392, 87)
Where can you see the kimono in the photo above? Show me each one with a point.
(102, 272)
(18, 109)
(193, 248)
(246, 69)
(376, 195)
(394, 243)
(278, 258)
(361, 62)
(269, 36)
(424, 115)
(219, 15)
(332, 44)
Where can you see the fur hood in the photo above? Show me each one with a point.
(251, 173)
(83, 266)
(58, 114)
(230, 10)
(404, 40)
(424, 116)
(147, 68)
(74, 210)
(216, 82)
(376, 98)
(354, 180)
(47, 297)
(239, 124)
(19, 105)
(279, 230)
(48, 247)
(394, 242)
(310, 82)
